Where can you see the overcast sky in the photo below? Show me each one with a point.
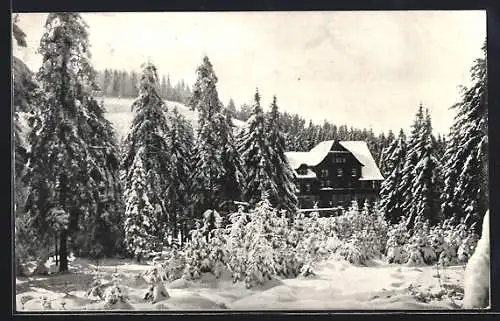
(359, 68)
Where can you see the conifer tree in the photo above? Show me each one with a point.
(411, 160)
(254, 149)
(391, 195)
(466, 156)
(169, 89)
(282, 173)
(426, 185)
(231, 107)
(181, 139)
(232, 180)
(208, 165)
(69, 139)
(26, 95)
(163, 88)
(146, 165)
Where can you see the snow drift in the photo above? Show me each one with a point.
(477, 272)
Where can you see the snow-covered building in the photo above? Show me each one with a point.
(334, 173)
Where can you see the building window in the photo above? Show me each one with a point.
(328, 183)
(324, 173)
(308, 187)
(340, 160)
(302, 171)
(354, 172)
(340, 172)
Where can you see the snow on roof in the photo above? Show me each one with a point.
(309, 174)
(310, 158)
(369, 170)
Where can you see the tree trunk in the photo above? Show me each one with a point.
(63, 250)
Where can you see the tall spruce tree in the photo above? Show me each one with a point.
(181, 139)
(145, 166)
(411, 160)
(282, 173)
(69, 138)
(254, 149)
(232, 180)
(466, 156)
(426, 185)
(26, 95)
(390, 193)
(208, 165)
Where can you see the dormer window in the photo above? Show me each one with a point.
(340, 172)
(302, 171)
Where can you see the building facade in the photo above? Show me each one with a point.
(334, 173)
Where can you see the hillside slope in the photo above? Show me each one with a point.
(119, 113)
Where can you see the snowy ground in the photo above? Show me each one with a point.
(337, 285)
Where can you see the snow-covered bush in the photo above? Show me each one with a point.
(363, 233)
(115, 293)
(287, 264)
(155, 278)
(235, 236)
(449, 242)
(419, 247)
(353, 250)
(196, 253)
(258, 243)
(174, 264)
(397, 237)
(206, 251)
(97, 287)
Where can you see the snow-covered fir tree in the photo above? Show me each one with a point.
(26, 95)
(208, 163)
(390, 193)
(466, 156)
(255, 152)
(411, 160)
(142, 222)
(145, 165)
(65, 128)
(426, 185)
(283, 178)
(383, 143)
(232, 180)
(181, 139)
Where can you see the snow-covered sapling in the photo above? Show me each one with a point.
(115, 293)
(96, 287)
(156, 291)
